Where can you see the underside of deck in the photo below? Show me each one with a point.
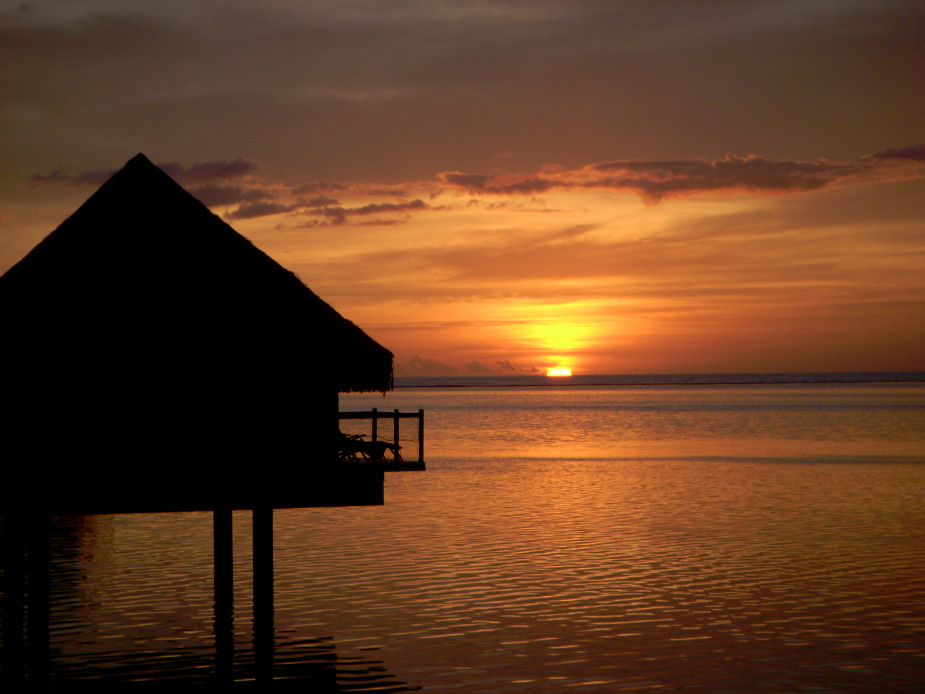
(175, 490)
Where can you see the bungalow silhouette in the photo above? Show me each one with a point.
(155, 359)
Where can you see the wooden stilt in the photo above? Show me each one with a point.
(263, 593)
(223, 560)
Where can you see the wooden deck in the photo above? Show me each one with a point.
(29, 499)
(27, 511)
(383, 442)
(171, 488)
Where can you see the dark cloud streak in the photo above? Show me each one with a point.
(913, 153)
(209, 170)
(199, 172)
(260, 209)
(212, 195)
(656, 180)
(338, 215)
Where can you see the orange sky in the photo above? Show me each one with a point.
(495, 187)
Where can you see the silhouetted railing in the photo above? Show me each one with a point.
(379, 437)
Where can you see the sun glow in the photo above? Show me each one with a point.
(559, 371)
(558, 335)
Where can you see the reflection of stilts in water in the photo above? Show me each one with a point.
(151, 343)
(309, 664)
(27, 556)
(14, 579)
(26, 572)
(223, 558)
(27, 652)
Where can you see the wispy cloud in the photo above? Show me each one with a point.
(318, 187)
(196, 173)
(653, 180)
(253, 196)
(419, 366)
(213, 195)
(233, 183)
(262, 208)
(657, 180)
(209, 170)
(335, 214)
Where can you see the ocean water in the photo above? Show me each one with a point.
(760, 537)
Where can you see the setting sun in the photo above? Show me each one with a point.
(559, 371)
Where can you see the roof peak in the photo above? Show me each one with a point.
(139, 160)
(143, 181)
(140, 157)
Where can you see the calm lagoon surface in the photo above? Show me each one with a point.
(696, 538)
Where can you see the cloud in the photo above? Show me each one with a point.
(389, 207)
(478, 368)
(499, 183)
(318, 187)
(212, 195)
(655, 180)
(320, 201)
(338, 215)
(96, 177)
(419, 366)
(261, 208)
(912, 153)
(458, 178)
(208, 170)
(200, 172)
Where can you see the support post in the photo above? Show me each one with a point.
(375, 422)
(263, 593)
(223, 560)
(395, 429)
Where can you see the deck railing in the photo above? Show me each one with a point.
(375, 426)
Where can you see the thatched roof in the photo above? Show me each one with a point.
(145, 272)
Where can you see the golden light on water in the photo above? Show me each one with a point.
(559, 371)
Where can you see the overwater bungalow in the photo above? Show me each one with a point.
(155, 359)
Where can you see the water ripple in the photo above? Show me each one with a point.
(709, 550)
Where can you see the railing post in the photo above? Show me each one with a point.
(389, 440)
(420, 436)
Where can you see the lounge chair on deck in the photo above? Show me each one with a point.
(354, 445)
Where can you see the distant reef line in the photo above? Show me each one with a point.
(535, 380)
